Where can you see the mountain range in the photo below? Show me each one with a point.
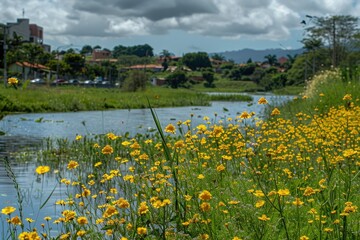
(242, 56)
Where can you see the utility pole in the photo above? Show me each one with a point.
(5, 48)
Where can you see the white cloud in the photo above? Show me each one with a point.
(257, 19)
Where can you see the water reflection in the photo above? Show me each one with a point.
(67, 125)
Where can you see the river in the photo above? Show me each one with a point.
(24, 131)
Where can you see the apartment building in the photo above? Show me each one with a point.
(29, 32)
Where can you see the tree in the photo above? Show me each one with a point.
(136, 80)
(138, 50)
(218, 57)
(86, 49)
(176, 79)
(165, 55)
(336, 32)
(312, 45)
(76, 62)
(209, 78)
(271, 59)
(196, 60)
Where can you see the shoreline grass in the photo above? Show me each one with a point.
(65, 99)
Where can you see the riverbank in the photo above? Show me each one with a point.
(73, 98)
(293, 176)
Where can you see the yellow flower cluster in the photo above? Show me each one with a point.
(228, 179)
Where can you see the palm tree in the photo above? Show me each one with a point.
(312, 45)
(165, 56)
(271, 59)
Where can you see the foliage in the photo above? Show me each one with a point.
(196, 60)
(177, 79)
(326, 90)
(209, 78)
(271, 59)
(129, 60)
(144, 50)
(218, 57)
(336, 32)
(136, 80)
(74, 98)
(86, 49)
(76, 63)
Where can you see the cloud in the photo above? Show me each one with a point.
(234, 19)
(153, 10)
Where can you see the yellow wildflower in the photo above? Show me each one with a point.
(284, 192)
(13, 81)
(264, 218)
(42, 169)
(275, 112)
(15, 220)
(170, 128)
(347, 97)
(8, 210)
(205, 207)
(259, 203)
(82, 220)
(141, 231)
(205, 195)
(72, 165)
(262, 100)
(143, 208)
(107, 150)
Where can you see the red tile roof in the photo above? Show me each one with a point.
(36, 65)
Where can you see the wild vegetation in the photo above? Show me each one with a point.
(65, 99)
(290, 177)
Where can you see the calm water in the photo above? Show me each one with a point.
(25, 131)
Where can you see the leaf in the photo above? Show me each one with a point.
(48, 198)
(39, 120)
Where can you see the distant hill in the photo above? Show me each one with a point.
(242, 56)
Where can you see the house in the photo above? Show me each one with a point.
(30, 70)
(282, 60)
(99, 55)
(156, 81)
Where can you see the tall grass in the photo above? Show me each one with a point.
(324, 91)
(62, 99)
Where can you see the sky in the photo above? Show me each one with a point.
(178, 26)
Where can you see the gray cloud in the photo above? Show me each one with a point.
(153, 10)
(260, 19)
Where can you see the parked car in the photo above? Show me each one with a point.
(73, 82)
(38, 81)
(59, 81)
(88, 82)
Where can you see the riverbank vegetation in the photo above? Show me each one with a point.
(292, 176)
(73, 98)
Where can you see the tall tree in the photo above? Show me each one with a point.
(144, 50)
(336, 32)
(196, 60)
(271, 59)
(76, 62)
(312, 45)
(86, 49)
